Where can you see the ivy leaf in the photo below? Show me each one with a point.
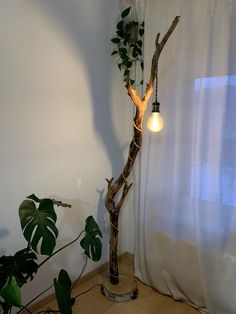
(122, 51)
(91, 243)
(126, 38)
(139, 51)
(129, 64)
(120, 25)
(115, 40)
(132, 82)
(127, 72)
(125, 61)
(140, 43)
(62, 288)
(38, 224)
(125, 12)
(114, 52)
(128, 43)
(126, 76)
(141, 31)
(120, 34)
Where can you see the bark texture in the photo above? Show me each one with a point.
(118, 189)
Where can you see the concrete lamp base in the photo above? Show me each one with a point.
(125, 290)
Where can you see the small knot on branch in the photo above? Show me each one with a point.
(109, 182)
(157, 40)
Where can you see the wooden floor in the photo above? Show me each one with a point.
(148, 301)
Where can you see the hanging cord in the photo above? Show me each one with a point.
(156, 86)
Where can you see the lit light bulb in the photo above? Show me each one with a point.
(155, 122)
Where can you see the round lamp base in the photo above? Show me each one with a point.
(125, 290)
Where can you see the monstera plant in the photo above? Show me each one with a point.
(38, 222)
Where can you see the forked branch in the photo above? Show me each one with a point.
(115, 196)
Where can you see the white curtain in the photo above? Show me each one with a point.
(186, 183)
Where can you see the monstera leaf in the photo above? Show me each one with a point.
(25, 266)
(11, 293)
(38, 224)
(21, 266)
(91, 243)
(62, 288)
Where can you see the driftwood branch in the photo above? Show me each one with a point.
(155, 58)
(125, 192)
(168, 33)
(118, 189)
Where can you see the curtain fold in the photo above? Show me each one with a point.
(186, 178)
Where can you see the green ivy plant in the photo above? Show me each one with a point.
(128, 45)
(38, 222)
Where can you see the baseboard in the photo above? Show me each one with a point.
(99, 270)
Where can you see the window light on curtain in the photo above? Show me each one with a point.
(186, 183)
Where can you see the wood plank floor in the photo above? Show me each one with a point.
(148, 302)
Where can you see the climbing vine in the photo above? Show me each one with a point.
(128, 45)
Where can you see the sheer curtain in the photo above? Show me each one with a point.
(186, 183)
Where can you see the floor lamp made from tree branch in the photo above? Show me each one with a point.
(116, 288)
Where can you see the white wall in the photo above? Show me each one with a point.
(64, 119)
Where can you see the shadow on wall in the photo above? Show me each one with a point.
(86, 25)
(3, 233)
(74, 218)
(101, 220)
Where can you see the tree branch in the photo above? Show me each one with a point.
(141, 104)
(133, 94)
(168, 33)
(125, 192)
(155, 58)
(114, 186)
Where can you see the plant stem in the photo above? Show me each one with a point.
(44, 261)
(62, 248)
(77, 280)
